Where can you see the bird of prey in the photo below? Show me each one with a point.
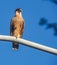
(17, 27)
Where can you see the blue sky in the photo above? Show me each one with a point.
(33, 11)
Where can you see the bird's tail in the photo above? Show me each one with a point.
(15, 46)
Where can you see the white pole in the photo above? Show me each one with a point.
(29, 43)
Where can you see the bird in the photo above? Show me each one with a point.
(17, 27)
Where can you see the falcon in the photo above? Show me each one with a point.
(17, 27)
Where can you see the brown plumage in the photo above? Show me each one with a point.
(17, 27)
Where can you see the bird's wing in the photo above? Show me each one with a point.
(11, 27)
(22, 27)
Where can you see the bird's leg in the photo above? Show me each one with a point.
(16, 37)
(19, 36)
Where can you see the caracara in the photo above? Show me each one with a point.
(17, 27)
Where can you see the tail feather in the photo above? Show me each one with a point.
(15, 46)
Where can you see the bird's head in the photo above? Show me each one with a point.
(18, 11)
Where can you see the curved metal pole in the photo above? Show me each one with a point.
(29, 43)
